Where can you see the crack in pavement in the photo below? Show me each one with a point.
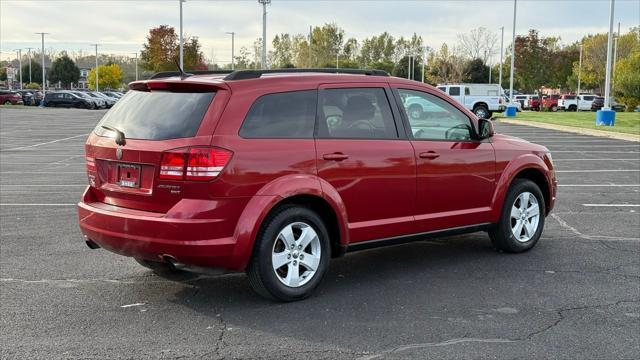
(456, 341)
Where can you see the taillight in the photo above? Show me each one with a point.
(197, 163)
(172, 165)
(91, 164)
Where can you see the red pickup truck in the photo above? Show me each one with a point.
(550, 102)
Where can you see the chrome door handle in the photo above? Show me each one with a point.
(429, 155)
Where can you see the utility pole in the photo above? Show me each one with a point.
(19, 51)
(44, 81)
(136, 66)
(233, 61)
(513, 51)
(181, 39)
(97, 71)
(501, 53)
(337, 58)
(264, 31)
(310, 37)
(29, 49)
(615, 57)
(579, 74)
(424, 60)
(607, 86)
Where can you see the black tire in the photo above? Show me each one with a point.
(490, 114)
(262, 277)
(481, 112)
(573, 108)
(501, 235)
(554, 108)
(415, 112)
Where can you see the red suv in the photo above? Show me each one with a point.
(275, 172)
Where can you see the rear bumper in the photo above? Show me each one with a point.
(152, 236)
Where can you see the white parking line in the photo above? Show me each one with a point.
(609, 159)
(599, 185)
(46, 143)
(597, 151)
(28, 204)
(612, 205)
(44, 172)
(43, 185)
(599, 170)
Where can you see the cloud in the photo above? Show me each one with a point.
(122, 25)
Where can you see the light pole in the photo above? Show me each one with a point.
(337, 58)
(424, 60)
(29, 49)
(44, 81)
(136, 66)
(19, 51)
(264, 31)
(579, 74)
(615, 55)
(607, 85)
(233, 61)
(97, 71)
(181, 39)
(513, 51)
(501, 52)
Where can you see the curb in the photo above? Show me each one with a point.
(600, 133)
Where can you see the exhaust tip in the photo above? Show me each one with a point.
(173, 264)
(92, 245)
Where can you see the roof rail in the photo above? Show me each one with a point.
(166, 74)
(255, 74)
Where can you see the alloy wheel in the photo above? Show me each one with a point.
(296, 253)
(525, 216)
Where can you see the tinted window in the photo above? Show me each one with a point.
(356, 113)
(432, 118)
(588, 98)
(454, 91)
(281, 115)
(569, 97)
(442, 88)
(157, 115)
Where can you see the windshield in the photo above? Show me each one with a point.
(156, 115)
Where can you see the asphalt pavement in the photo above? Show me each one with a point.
(576, 295)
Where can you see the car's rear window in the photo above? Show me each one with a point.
(157, 115)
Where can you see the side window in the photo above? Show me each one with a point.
(282, 115)
(468, 92)
(588, 98)
(442, 88)
(362, 113)
(432, 118)
(454, 91)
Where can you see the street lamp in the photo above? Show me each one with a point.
(606, 116)
(233, 61)
(181, 39)
(136, 54)
(264, 31)
(501, 53)
(44, 82)
(97, 71)
(19, 51)
(29, 49)
(579, 75)
(513, 51)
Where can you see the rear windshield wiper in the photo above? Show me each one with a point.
(119, 134)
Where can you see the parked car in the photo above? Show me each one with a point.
(113, 94)
(95, 102)
(109, 102)
(522, 99)
(570, 102)
(274, 177)
(8, 97)
(550, 102)
(482, 99)
(598, 103)
(105, 104)
(66, 99)
(532, 103)
(516, 103)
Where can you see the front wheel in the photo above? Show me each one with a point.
(481, 112)
(522, 219)
(290, 256)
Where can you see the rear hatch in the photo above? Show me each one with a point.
(152, 147)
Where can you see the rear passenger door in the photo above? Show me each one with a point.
(365, 156)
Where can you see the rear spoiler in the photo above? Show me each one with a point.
(168, 74)
(176, 86)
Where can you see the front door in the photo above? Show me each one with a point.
(455, 172)
(362, 155)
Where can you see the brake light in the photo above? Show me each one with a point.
(197, 163)
(91, 164)
(172, 165)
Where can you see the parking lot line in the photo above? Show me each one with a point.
(46, 143)
(41, 204)
(43, 185)
(596, 151)
(599, 170)
(612, 205)
(605, 159)
(598, 185)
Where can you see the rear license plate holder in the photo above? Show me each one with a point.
(128, 175)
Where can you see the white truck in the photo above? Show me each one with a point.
(570, 102)
(482, 99)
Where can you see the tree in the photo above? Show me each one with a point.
(110, 77)
(162, 51)
(326, 42)
(3, 74)
(532, 60)
(627, 80)
(479, 43)
(377, 49)
(63, 70)
(476, 72)
(36, 72)
(445, 67)
(282, 55)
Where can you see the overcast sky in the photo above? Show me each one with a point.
(121, 26)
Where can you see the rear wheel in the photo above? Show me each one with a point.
(522, 219)
(481, 112)
(415, 112)
(290, 256)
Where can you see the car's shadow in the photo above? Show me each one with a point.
(365, 288)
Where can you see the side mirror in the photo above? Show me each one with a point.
(485, 129)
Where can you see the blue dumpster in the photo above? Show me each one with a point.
(605, 117)
(511, 111)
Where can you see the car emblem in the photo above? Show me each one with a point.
(119, 153)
